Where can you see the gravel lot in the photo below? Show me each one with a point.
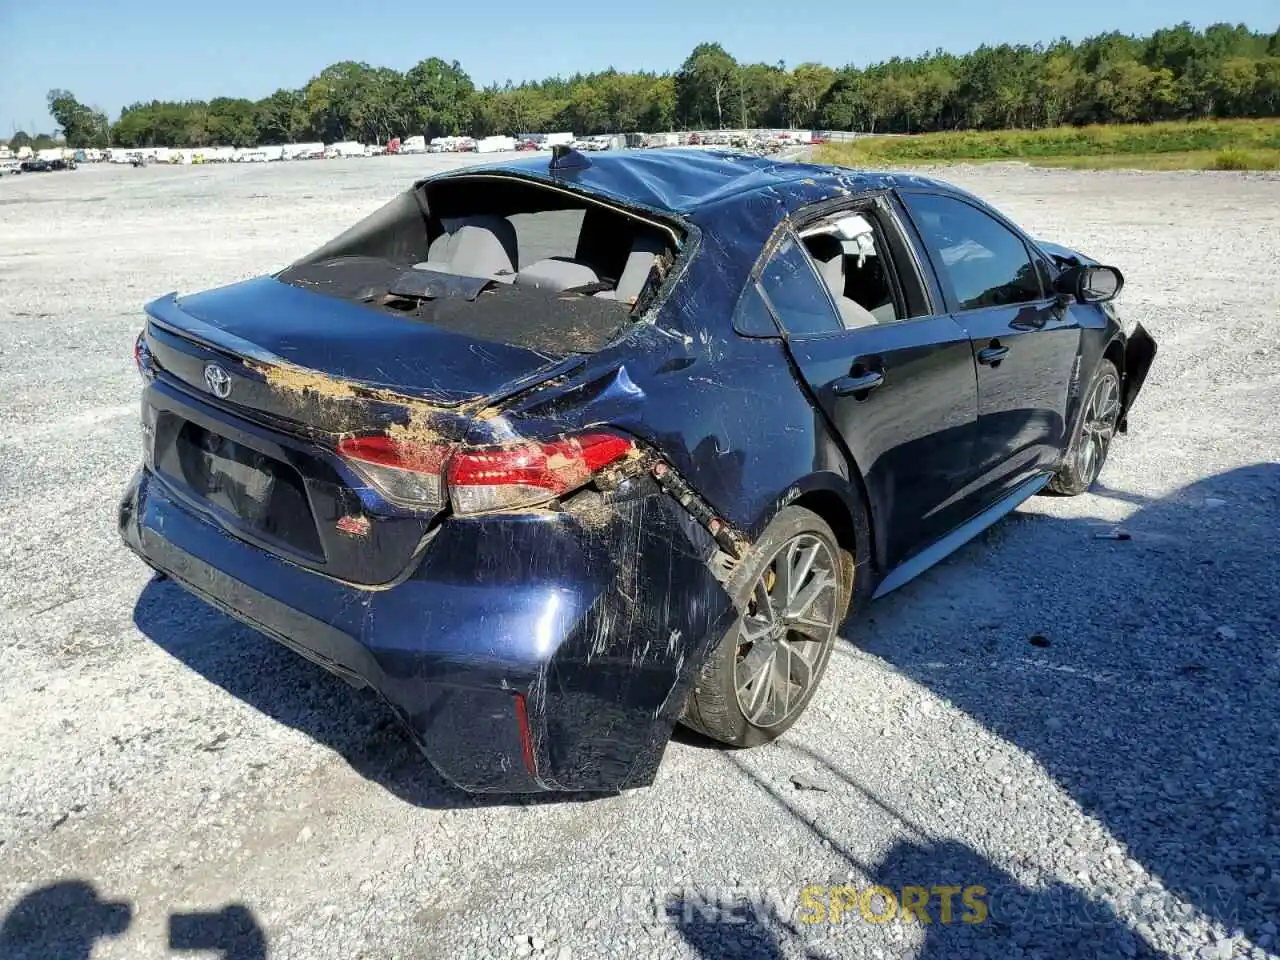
(1088, 727)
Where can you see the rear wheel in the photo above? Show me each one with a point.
(792, 592)
(1094, 431)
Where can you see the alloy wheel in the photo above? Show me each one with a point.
(786, 631)
(1101, 414)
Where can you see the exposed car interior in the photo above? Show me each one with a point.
(488, 245)
(845, 249)
(520, 233)
(509, 231)
(501, 258)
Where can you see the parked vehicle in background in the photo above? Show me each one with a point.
(417, 144)
(344, 150)
(10, 166)
(554, 504)
(35, 166)
(495, 145)
(549, 140)
(303, 151)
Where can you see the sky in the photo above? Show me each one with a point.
(115, 53)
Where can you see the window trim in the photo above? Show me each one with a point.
(787, 231)
(945, 288)
(886, 212)
(874, 210)
(753, 285)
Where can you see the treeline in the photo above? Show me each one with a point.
(1179, 73)
(39, 141)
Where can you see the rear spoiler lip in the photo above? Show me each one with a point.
(165, 313)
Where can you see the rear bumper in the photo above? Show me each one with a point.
(536, 652)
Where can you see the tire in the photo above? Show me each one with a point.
(800, 541)
(1091, 438)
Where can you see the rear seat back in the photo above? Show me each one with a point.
(644, 254)
(479, 246)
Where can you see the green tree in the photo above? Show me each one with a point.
(809, 84)
(1178, 72)
(81, 126)
(704, 85)
(281, 117)
(438, 98)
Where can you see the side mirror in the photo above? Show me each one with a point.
(1090, 284)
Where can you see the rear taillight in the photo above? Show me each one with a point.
(506, 478)
(481, 479)
(142, 355)
(409, 474)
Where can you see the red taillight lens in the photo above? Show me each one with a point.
(486, 478)
(406, 473)
(505, 478)
(141, 355)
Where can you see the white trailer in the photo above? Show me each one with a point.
(346, 148)
(555, 139)
(303, 151)
(495, 144)
(413, 145)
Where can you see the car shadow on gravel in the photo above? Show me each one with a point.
(65, 921)
(946, 899)
(1138, 666)
(291, 690)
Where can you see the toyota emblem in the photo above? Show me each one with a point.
(218, 381)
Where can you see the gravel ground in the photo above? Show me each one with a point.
(1087, 727)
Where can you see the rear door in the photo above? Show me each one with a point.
(1025, 342)
(899, 389)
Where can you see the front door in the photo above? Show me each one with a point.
(1025, 343)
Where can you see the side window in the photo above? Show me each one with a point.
(982, 261)
(798, 297)
(751, 317)
(852, 260)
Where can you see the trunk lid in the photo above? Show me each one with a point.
(277, 323)
(253, 386)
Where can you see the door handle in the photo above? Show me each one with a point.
(993, 354)
(858, 384)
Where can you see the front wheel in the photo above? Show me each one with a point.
(1095, 429)
(792, 592)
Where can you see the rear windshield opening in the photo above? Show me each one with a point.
(467, 237)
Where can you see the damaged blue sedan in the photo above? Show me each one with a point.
(555, 455)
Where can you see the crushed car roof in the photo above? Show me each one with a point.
(681, 181)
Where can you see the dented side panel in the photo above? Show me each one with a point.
(597, 616)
